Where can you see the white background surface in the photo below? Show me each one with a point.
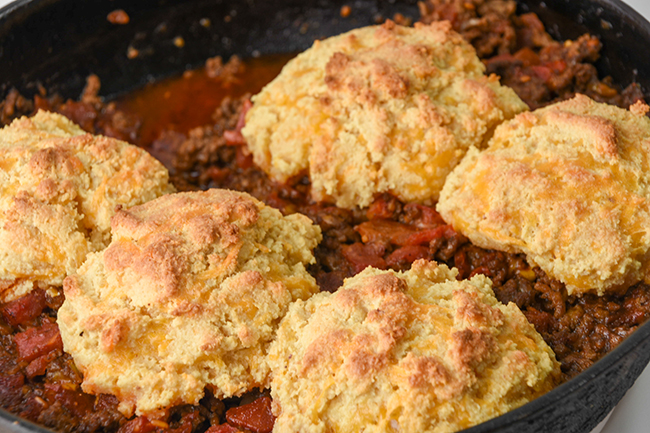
(632, 415)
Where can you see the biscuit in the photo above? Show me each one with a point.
(378, 109)
(410, 352)
(58, 189)
(189, 293)
(568, 185)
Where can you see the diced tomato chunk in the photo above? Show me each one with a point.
(38, 367)
(241, 121)
(217, 174)
(76, 402)
(222, 428)
(363, 255)
(35, 342)
(25, 308)
(384, 232)
(256, 416)
(424, 237)
(407, 254)
(557, 66)
(141, 424)
(543, 72)
(527, 56)
(384, 207)
(428, 216)
(243, 157)
(234, 137)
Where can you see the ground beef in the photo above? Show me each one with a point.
(518, 49)
(41, 383)
(90, 112)
(488, 25)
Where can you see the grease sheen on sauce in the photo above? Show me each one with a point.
(187, 102)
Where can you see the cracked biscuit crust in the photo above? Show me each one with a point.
(189, 293)
(58, 189)
(378, 109)
(568, 185)
(413, 352)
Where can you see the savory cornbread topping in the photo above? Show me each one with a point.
(188, 294)
(568, 186)
(58, 190)
(415, 351)
(378, 109)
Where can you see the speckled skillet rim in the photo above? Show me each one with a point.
(577, 405)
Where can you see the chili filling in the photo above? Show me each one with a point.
(39, 382)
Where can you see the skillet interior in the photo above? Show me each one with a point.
(58, 43)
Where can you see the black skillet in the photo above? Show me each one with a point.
(57, 43)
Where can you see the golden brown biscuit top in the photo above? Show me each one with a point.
(58, 189)
(568, 186)
(187, 295)
(166, 247)
(412, 352)
(378, 109)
